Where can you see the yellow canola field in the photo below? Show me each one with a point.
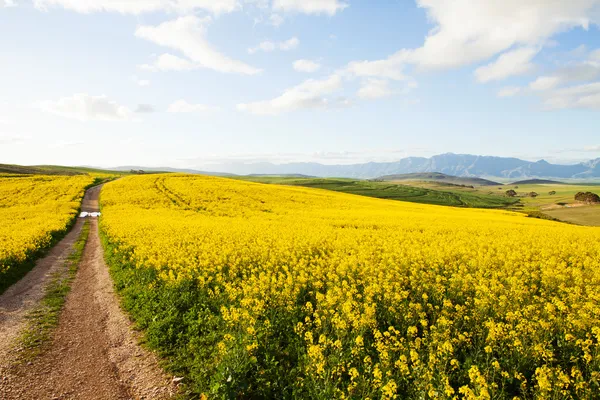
(303, 293)
(32, 211)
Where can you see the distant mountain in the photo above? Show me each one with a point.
(439, 178)
(461, 165)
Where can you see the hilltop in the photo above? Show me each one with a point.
(537, 182)
(49, 170)
(440, 178)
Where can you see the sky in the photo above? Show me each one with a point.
(193, 83)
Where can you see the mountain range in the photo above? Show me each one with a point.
(461, 165)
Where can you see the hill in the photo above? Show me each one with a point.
(169, 169)
(49, 170)
(391, 191)
(440, 178)
(537, 182)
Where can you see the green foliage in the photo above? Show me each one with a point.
(44, 318)
(391, 191)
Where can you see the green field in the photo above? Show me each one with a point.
(552, 206)
(10, 170)
(565, 193)
(589, 215)
(394, 191)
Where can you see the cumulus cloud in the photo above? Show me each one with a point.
(306, 66)
(390, 68)
(591, 148)
(182, 106)
(585, 96)
(580, 71)
(187, 35)
(374, 89)
(169, 62)
(573, 85)
(330, 7)
(509, 91)
(85, 107)
(139, 6)
(515, 62)
(309, 94)
(467, 32)
(269, 46)
(7, 3)
(276, 20)
(544, 83)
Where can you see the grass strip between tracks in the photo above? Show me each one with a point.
(44, 318)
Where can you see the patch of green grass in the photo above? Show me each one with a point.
(393, 191)
(11, 170)
(586, 215)
(44, 318)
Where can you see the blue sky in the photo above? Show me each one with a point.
(190, 83)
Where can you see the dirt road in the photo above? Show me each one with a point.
(94, 352)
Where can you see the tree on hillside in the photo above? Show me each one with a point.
(511, 193)
(587, 197)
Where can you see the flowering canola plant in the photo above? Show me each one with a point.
(269, 291)
(33, 210)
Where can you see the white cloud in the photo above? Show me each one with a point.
(591, 148)
(391, 68)
(544, 83)
(514, 62)
(374, 89)
(268, 46)
(7, 3)
(595, 55)
(182, 106)
(187, 34)
(467, 32)
(141, 6)
(306, 66)
(586, 70)
(329, 7)
(473, 31)
(276, 20)
(169, 62)
(86, 108)
(509, 91)
(309, 94)
(586, 96)
(140, 82)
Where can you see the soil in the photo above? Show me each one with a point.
(94, 352)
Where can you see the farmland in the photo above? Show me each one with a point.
(266, 291)
(35, 212)
(447, 195)
(553, 200)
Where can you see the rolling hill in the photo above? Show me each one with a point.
(440, 178)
